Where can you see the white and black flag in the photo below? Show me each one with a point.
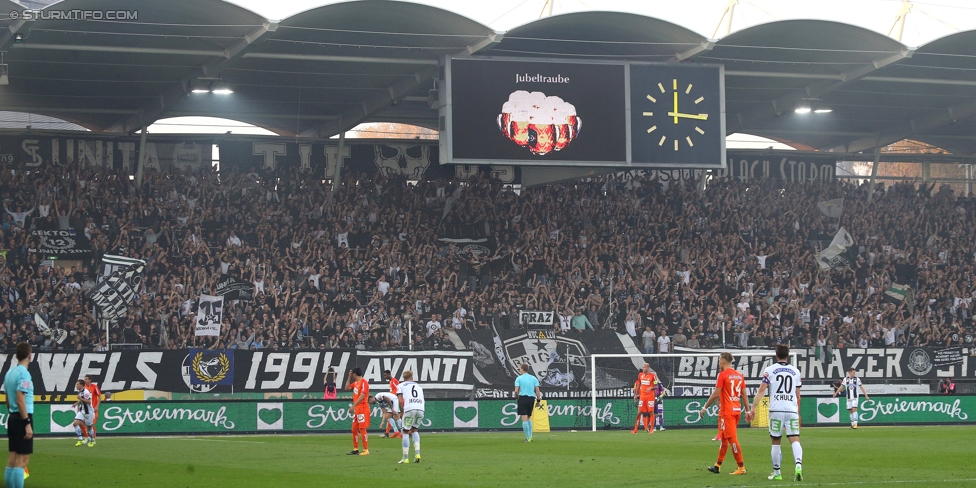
(840, 253)
(209, 312)
(113, 295)
(233, 288)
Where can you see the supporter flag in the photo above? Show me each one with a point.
(233, 288)
(899, 293)
(840, 253)
(209, 312)
(832, 208)
(113, 295)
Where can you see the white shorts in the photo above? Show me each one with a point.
(412, 419)
(851, 403)
(395, 408)
(781, 423)
(87, 418)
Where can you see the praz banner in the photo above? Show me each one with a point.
(60, 244)
(537, 318)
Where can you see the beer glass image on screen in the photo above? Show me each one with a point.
(539, 123)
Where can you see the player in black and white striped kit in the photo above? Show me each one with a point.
(854, 387)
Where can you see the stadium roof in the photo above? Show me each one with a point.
(328, 69)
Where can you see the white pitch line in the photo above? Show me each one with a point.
(224, 440)
(861, 483)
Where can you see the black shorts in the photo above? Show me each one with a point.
(525, 405)
(16, 430)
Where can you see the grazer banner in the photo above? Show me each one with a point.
(868, 363)
(33, 151)
(300, 416)
(413, 159)
(797, 167)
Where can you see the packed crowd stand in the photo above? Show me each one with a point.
(364, 267)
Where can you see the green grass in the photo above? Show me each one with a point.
(870, 456)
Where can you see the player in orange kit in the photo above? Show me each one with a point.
(359, 411)
(388, 376)
(644, 390)
(730, 389)
(96, 395)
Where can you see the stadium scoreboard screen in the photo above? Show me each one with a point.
(582, 113)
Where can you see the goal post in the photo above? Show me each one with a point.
(682, 374)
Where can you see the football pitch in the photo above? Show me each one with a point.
(869, 456)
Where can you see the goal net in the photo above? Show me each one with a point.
(683, 376)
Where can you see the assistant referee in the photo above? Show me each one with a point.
(20, 431)
(528, 394)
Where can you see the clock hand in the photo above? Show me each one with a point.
(675, 108)
(688, 116)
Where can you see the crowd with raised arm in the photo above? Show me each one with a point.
(382, 262)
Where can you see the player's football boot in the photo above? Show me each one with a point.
(396, 436)
(416, 458)
(364, 453)
(854, 426)
(403, 461)
(26, 473)
(633, 431)
(799, 475)
(739, 470)
(715, 469)
(80, 443)
(92, 443)
(354, 452)
(775, 477)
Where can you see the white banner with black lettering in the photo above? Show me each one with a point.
(209, 311)
(544, 318)
(436, 370)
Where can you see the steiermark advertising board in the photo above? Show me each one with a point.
(202, 417)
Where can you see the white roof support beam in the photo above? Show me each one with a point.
(784, 103)
(704, 46)
(151, 112)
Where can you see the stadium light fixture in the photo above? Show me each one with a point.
(221, 90)
(200, 90)
(823, 110)
(802, 110)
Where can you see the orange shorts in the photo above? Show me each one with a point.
(360, 420)
(727, 426)
(645, 405)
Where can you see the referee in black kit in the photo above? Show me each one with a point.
(528, 395)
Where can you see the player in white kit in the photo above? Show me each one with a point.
(391, 410)
(783, 381)
(84, 413)
(412, 396)
(854, 387)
